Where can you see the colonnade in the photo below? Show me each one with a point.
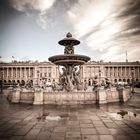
(18, 73)
(122, 71)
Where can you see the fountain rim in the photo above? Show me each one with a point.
(74, 59)
(75, 41)
(68, 56)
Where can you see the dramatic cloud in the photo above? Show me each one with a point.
(25, 5)
(106, 28)
(109, 28)
(36, 8)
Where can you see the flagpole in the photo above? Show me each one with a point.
(126, 56)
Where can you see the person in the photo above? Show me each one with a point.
(85, 85)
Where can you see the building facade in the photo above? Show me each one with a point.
(20, 72)
(114, 71)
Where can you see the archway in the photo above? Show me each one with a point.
(128, 81)
(120, 80)
(22, 82)
(124, 80)
(115, 81)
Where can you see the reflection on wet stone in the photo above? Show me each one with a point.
(85, 122)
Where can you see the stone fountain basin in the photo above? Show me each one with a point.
(69, 59)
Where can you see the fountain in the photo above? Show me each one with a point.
(70, 89)
(70, 78)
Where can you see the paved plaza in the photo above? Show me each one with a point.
(81, 122)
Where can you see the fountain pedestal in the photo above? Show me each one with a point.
(101, 95)
(38, 97)
(16, 95)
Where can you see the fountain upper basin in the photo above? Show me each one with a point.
(69, 59)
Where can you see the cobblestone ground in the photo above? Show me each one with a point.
(88, 122)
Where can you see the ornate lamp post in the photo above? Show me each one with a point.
(132, 74)
(1, 73)
(99, 77)
(38, 77)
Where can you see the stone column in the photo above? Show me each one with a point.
(12, 73)
(117, 72)
(25, 73)
(20, 72)
(29, 72)
(94, 70)
(129, 71)
(7, 72)
(125, 72)
(108, 72)
(113, 73)
(121, 72)
(16, 72)
(134, 72)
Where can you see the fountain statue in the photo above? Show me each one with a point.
(70, 77)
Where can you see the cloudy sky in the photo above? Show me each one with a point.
(30, 29)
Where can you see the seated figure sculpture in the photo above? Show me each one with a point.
(76, 75)
(56, 86)
(63, 76)
(29, 84)
(107, 83)
(95, 83)
(76, 78)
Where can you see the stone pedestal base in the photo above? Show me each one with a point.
(124, 94)
(101, 96)
(16, 96)
(38, 97)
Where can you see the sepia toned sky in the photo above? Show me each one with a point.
(31, 29)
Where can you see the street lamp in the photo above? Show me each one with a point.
(1, 73)
(99, 77)
(38, 76)
(132, 73)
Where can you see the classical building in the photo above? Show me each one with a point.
(35, 71)
(114, 71)
(22, 71)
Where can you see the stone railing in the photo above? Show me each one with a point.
(40, 96)
(69, 98)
